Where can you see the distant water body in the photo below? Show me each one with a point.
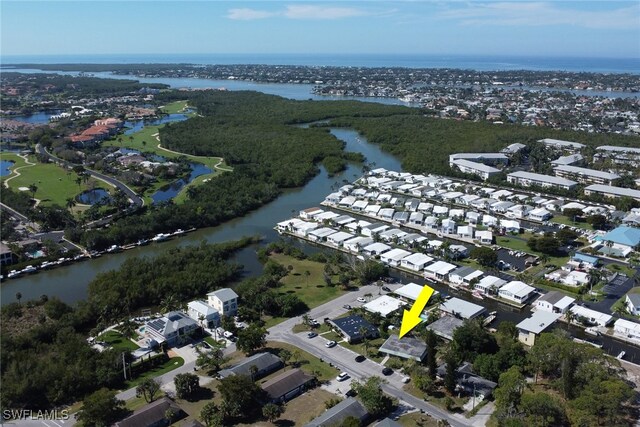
(480, 63)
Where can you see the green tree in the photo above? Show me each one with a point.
(33, 189)
(372, 397)
(451, 371)
(431, 340)
(542, 409)
(351, 421)
(211, 360)
(285, 355)
(251, 338)
(148, 389)
(271, 411)
(239, 394)
(70, 203)
(101, 409)
(485, 256)
(472, 339)
(186, 385)
(509, 392)
(212, 415)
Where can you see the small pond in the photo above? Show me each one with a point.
(91, 197)
(171, 190)
(5, 167)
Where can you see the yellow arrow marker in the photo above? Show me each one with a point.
(411, 318)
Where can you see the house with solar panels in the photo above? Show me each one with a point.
(173, 328)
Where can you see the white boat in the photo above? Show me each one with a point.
(13, 273)
(621, 355)
(29, 269)
(489, 319)
(114, 248)
(160, 237)
(477, 295)
(178, 232)
(593, 331)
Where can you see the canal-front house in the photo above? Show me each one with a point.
(516, 291)
(224, 300)
(533, 326)
(554, 302)
(203, 313)
(173, 328)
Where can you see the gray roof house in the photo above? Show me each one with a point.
(264, 362)
(469, 381)
(287, 385)
(407, 348)
(173, 328)
(152, 414)
(334, 416)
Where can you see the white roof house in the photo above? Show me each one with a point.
(610, 191)
(384, 305)
(347, 201)
(485, 237)
(326, 215)
(416, 261)
(310, 212)
(464, 275)
(357, 243)
(533, 326)
(592, 316)
(490, 284)
(359, 205)
(410, 291)
(337, 238)
(460, 308)
(200, 311)
(627, 329)
(303, 227)
(554, 302)
(539, 214)
(375, 249)
(289, 225)
(516, 291)
(439, 270)
(321, 234)
(372, 209)
(394, 256)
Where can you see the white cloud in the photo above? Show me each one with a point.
(321, 12)
(246, 14)
(543, 14)
(306, 12)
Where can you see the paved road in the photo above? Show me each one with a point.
(132, 195)
(21, 217)
(344, 359)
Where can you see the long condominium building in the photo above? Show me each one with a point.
(565, 145)
(612, 192)
(486, 158)
(620, 155)
(527, 179)
(584, 175)
(475, 168)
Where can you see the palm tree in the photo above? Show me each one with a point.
(168, 304)
(570, 316)
(18, 297)
(78, 181)
(70, 203)
(33, 189)
(365, 339)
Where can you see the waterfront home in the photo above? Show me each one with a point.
(489, 221)
(173, 328)
(394, 256)
(357, 226)
(326, 216)
(586, 315)
(303, 227)
(485, 237)
(411, 205)
(320, 234)
(448, 226)
(633, 304)
(356, 244)
(287, 385)
(416, 218)
(539, 214)
(425, 207)
(445, 326)
(373, 229)
(401, 217)
(372, 209)
(489, 285)
(465, 231)
(627, 329)
(439, 270)
(375, 249)
(405, 348)
(391, 234)
(516, 291)
(464, 275)
(554, 302)
(473, 218)
(518, 211)
(416, 262)
(309, 213)
(510, 225)
(384, 197)
(359, 205)
(337, 238)
(456, 213)
(289, 225)
(343, 220)
(440, 211)
(386, 214)
(203, 313)
(412, 239)
(347, 201)
(410, 291)
(431, 222)
(462, 309)
(531, 327)
(224, 300)
(333, 198)
(265, 363)
(383, 305)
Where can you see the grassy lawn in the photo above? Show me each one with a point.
(311, 289)
(169, 365)
(437, 399)
(307, 361)
(117, 341)
(373, 345)
(18, 162)
(521, 245)
(561, 219)
(618, 268)
(54, 183)
(175, 107)
(417, 419)
(139, 402)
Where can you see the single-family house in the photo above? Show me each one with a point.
(203, 313)
(172, 328)
(485, 237)
(394, 256)
(337, 239)
(464, 275)
(516, 291)
(373, 229)
(416, 218)
(309, 213)
(383, 305)
(462, 309)
(633, 304)
(224, 300)
(439, 270)
(448, 226)
(406, 348)
(489, 221)
(335, 415)
(265, 363)
(152, 414)
(352, 327)
(469, 382)
(533, 326)
(356, 244)
(589, 316)
(359, 205)
(386, 213)
(416, 262)
(287, 385)
(465, 231)
(539, 214)
(627, 329)
(320, 234)
(490, 285)
(375, 249)
(554, 302)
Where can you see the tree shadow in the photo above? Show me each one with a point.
(284, 423)
(202, 393)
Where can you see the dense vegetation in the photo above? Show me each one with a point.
(45, 358)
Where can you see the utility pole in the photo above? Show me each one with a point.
(124, 367)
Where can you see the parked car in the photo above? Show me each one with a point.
(386, 289)
(387, 371)
(360, 299)
(311, 335)
(342, 376)
(351, 393)
(360, 358)
(330, 344)
(346, 306)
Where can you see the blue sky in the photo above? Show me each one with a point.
(541, 28)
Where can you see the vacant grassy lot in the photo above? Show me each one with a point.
(169, 365)
(521, 245)
(117, 341)
(561, 219)
(417, 419)
(306, 361)
(372, 349)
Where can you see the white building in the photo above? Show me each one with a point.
(464, 275)
(416, 262)
(540, 214)
(439, 270)
(485, 237)
(612, 192)
(460, 308)
(384, 305)
(527, 179)
(533, 326)
(490, 285)
(516, 291)
(356, 244)
(627, 329)
(591, 316)
(633, 304)
(554, 302)
(337, 238)
(474, 168)
(565, 145)
(224, 300)
(375, 249)
(586, 176)
(200, 311)
(394, 256)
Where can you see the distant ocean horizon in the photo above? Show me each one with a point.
(470, 62)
